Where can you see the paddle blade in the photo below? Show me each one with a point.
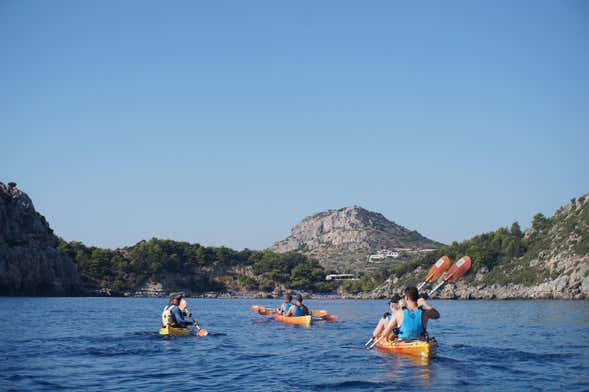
(183, 304)
(265, 312)
(437, 269)
(319, 313)
(255, 308)
(329, 317)
(458, 269)
(202, 332)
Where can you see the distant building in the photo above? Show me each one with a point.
(341, 277)
(383, 255)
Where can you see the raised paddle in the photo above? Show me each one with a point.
(435, 271)
(456, 271)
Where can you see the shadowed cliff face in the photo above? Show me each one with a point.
(30, 264)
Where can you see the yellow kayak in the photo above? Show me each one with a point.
(182, 331)
(418, 348)
(300, 320)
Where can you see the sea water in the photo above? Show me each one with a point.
(112, 344)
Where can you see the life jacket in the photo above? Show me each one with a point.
(299, 311)
(168, 318)
(286, 307)
(412, 326)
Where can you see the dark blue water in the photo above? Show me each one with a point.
(112, 344)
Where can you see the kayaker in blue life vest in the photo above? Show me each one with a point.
(298, 309)
(286, 305)
(412, 320)
(172, 315)
(395, 303)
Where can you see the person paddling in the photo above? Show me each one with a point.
(395, 303)
(412, 320)
(298, 309)
(286, 305)
(172, 315)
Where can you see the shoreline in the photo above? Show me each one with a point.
(308, 296)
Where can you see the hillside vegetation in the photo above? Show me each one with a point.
(181, 265)
(552, 256)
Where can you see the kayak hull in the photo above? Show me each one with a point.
(175, 331)
(300, 320)
(418, 348)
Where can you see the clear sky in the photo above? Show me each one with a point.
(225, 123)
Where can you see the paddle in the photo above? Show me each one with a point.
(324, 315)
(435, 271)
(456, 271)
(201, 331)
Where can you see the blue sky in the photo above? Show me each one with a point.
(225, 123)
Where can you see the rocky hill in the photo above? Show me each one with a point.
(30, 264)
(343, 239)
(549, 260)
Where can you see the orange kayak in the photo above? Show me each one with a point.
(418, 348)
(300, 320)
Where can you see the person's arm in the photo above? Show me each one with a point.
(290, 310)
(392, 324)
(428, 311)
(306, 310)
(180, 319)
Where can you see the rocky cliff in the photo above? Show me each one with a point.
(343, 239)
(554, 262)
(30, 264)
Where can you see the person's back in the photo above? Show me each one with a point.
(412, 319)
(298, 309)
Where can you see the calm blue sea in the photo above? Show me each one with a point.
(112, 344)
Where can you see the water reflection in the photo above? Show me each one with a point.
(408, 368)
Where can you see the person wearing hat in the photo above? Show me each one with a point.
(298, 309)
(172, 315)
(395, 304)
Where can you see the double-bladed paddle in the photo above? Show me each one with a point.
(456, 271)
(435, 271)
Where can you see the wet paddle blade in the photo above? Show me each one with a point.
(183, 304)
(329, 317)
(318, 312)
(437, 269)
(265, 312)
(255, 308)
(202, 332)
(458, 269)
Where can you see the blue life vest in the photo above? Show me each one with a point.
(299, 311)
(286, 307)
(412, 326)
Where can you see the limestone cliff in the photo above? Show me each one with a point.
(30, 264)
(343, 239)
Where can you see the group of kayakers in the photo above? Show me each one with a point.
(176, 315)
(407, 318)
